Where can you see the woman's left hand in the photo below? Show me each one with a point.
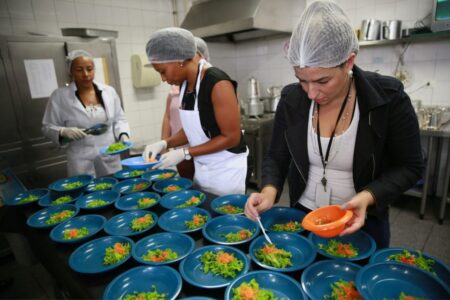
(358, 204)
(170, 159)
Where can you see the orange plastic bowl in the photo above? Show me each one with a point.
(327, 221)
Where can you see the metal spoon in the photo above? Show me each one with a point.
(263, 230)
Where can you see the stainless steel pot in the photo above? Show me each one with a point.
(392, 29)
(271, 103)
(370, 30)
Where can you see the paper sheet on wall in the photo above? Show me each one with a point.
(41, 77)
(101, 70)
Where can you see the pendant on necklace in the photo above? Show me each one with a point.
(324, 183)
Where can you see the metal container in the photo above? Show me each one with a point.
(392, 29)
(370, 30)
(253, 88)
(255, 107)
(271, 103)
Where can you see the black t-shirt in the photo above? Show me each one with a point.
(205, 107)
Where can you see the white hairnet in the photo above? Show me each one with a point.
(202, 47)
(171, 44)
(323, 37)
(72, 55)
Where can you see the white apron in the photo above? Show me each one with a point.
(220, 173)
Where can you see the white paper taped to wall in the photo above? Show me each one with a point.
(141, 75)
(41, 77)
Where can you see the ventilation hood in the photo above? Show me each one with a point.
(237, 20)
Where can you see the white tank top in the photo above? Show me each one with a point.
(339, 170)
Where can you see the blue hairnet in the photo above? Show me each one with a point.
(323, 37)
(171, 44)
(74, 54)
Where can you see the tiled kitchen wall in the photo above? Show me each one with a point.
(424, 61)
(135, 20)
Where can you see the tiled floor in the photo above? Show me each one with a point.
(34, 282)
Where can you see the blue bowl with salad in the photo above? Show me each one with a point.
(101, 184)
(271, 285)
(53, 215)
(71, 184)
(283, 219)
(77, 229)
(159, 174)
(101, 255)
(229, 204)
(321, 278)
(415, 258)
(230, 230)
(97, 200)
(184, 220)
(27, 197)
(214, 266)
(128, 174)
(182, 199)
(135, 201)
(290, 252)
(389, 280)
(131, 223)
(55, 198)
(163, 248)
(132, 186)
(172, 185)
(145, 282)
(353, 247)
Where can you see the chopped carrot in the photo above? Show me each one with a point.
(247, 293)
(225, 258)
(118, 248)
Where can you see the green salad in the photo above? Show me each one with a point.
(75, 233)
(115, 147)
(116, 253)
(136, 173)
(335, 248)
(153, 295)
(230, 209)
(165, 175)
(96, 203)
(159, 255)
(196, 222)
(191, 202)
(272, 256)
(72, 185)
(141, 223)
(144, 202)
(420, 261)
(251, 291)
(171, 188)
(238, 236)
(62, 200)
(341, 290)
(60, 216)
(28, 199)
(221, 263)
(102, 186)
(289, 226)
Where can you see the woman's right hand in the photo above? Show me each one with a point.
(256, 204)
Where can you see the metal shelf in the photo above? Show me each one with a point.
(415, 38)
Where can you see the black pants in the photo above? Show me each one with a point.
(378, 229)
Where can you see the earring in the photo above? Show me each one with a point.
(350, 73)
(181, 65)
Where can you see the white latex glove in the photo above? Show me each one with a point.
(154, 149)
(171, 158)
(124, 138)
(72, 133)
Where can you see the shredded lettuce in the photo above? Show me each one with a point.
(72, 185)
(403, 296)
(238, 236)
(62, 200)
(28, 199)
(96, 203)
(338, 249)
(144, 202)
(102, 186)
(289, 226)
(159, 255)
(141, 223)
(343, 290)
(190, 202)
(136, 173)
(116, 253)
(275, 257)
(75, 233)
(153, 295)
(165, 175)
(221, 263)
(230, 209)
(196, 222)
(420, 261)
(251, 291)
(115, 147)
(60, 216)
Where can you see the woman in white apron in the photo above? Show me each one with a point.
(209, 114)
(80, 105)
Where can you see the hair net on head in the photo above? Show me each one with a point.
(323, 37)
(171, 44)
(74, 54)
(202, 48)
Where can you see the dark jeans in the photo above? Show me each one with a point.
(378, 229)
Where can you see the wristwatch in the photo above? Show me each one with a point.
(187, 156)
